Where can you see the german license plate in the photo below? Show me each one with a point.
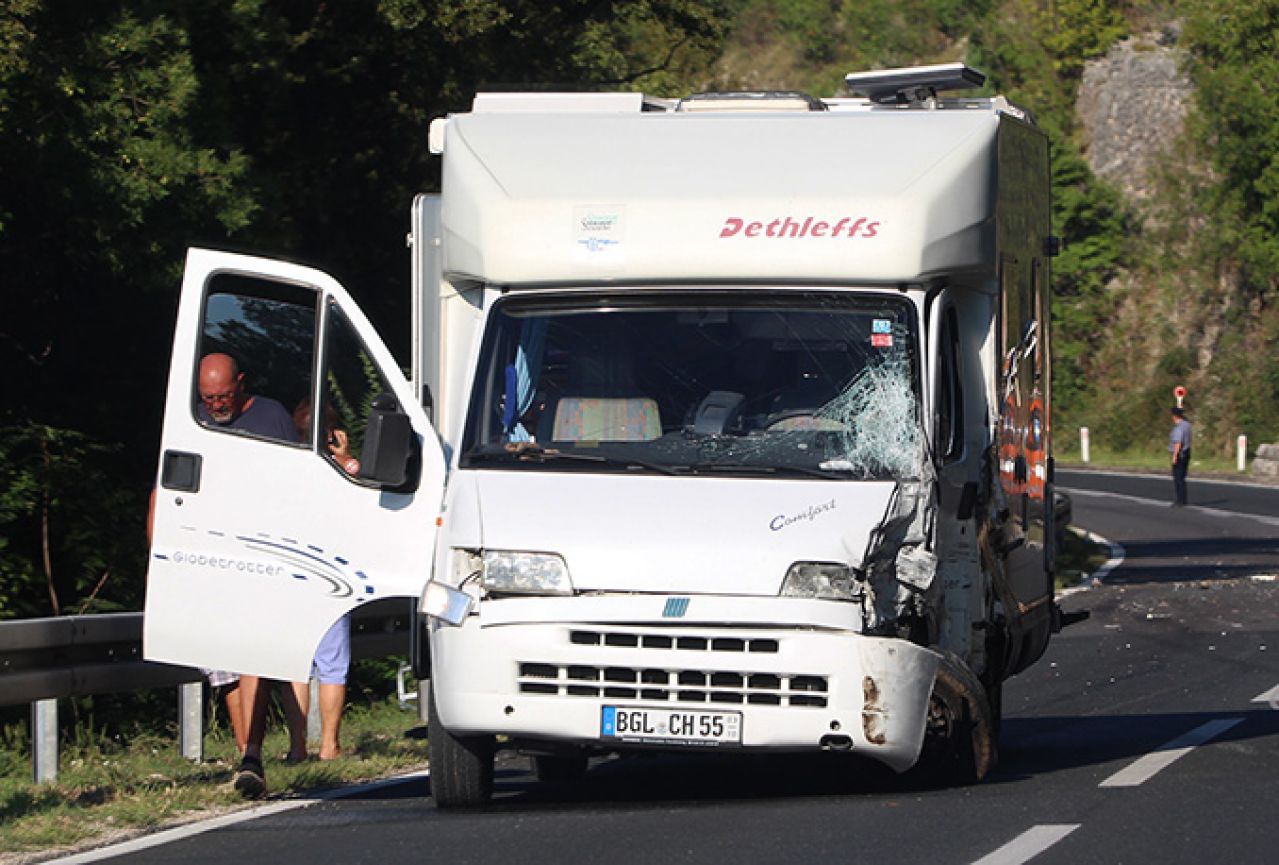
(670, 726)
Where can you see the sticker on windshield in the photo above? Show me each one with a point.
(881, 340)
(881, 325)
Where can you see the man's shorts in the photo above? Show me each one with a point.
(220, 678)
(333, 655)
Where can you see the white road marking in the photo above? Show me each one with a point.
(1114, 550)
(1270, 697)
(1225, 482)
(191, 829)
(1028, 844)
(1145, 768)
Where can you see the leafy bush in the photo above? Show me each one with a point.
(71, 527)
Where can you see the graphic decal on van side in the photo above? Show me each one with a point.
(304, 562)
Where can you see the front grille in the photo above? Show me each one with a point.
(691, 643)
(681, 686)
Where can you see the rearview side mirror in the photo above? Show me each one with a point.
(388, 444)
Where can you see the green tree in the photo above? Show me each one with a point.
(67, 531)
(100, 180)
(1034, 51)
(1234, 46)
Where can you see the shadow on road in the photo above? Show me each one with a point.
(1173, 560)
(1030, 747)
(1038, 746)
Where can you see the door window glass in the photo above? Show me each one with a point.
(256, 356)
(352, 384)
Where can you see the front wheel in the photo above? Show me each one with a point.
(461, 766)
(959, 739)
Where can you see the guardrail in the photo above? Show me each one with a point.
(44, 660)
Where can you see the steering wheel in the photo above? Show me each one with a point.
(801, 420)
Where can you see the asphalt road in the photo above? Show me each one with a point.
(1148, 733)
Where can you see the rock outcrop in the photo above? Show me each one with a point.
(1132, 106)
(1266, 463)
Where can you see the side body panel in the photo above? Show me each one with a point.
(1024, 439)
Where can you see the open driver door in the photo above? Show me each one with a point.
(264, 536)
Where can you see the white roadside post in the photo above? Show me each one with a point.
(313, 722)
(191, 720)
(1083, 443)
(1242, 457)
(44, 740)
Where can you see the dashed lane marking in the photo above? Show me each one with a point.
(1145, 768)
(1270, 697)
(1028, 844)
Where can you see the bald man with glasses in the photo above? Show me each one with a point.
(224, 403)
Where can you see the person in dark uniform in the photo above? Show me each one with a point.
(1179, 447)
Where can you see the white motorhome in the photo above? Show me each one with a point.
(728, 426)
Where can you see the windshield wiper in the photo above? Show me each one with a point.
(717, 466)
(531, 452)
(749, 468)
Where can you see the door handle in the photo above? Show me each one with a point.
(180, 471)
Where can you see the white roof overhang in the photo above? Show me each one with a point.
(875, 196)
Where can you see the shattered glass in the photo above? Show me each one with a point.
(878, 420)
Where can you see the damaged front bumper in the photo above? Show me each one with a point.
(799, 672)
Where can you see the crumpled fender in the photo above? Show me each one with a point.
(897, 682)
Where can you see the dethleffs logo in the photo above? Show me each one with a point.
(806, 226)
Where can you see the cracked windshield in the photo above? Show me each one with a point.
(811, 384)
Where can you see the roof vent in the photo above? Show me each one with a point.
(753, 100)
(915, 85)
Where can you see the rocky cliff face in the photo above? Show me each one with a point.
(1132, 107)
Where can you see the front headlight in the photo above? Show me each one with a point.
(525, 573)
(823, 581)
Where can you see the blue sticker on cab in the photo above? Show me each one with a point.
(881, 325)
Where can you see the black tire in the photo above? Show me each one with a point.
(959, 739)
(461, 766)
(995, 701)
(560, 768)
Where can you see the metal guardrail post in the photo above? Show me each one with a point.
(191, 721)
(43, 660)
(44, 740)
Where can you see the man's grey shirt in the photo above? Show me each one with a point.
(1180, 434)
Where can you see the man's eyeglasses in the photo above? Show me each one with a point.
(217, 398)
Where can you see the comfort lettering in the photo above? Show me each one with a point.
(810, 513)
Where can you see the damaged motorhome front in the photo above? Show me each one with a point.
(729, 426)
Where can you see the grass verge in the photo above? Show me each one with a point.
(107, 789)
(1078, 558)
(1149, 461)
